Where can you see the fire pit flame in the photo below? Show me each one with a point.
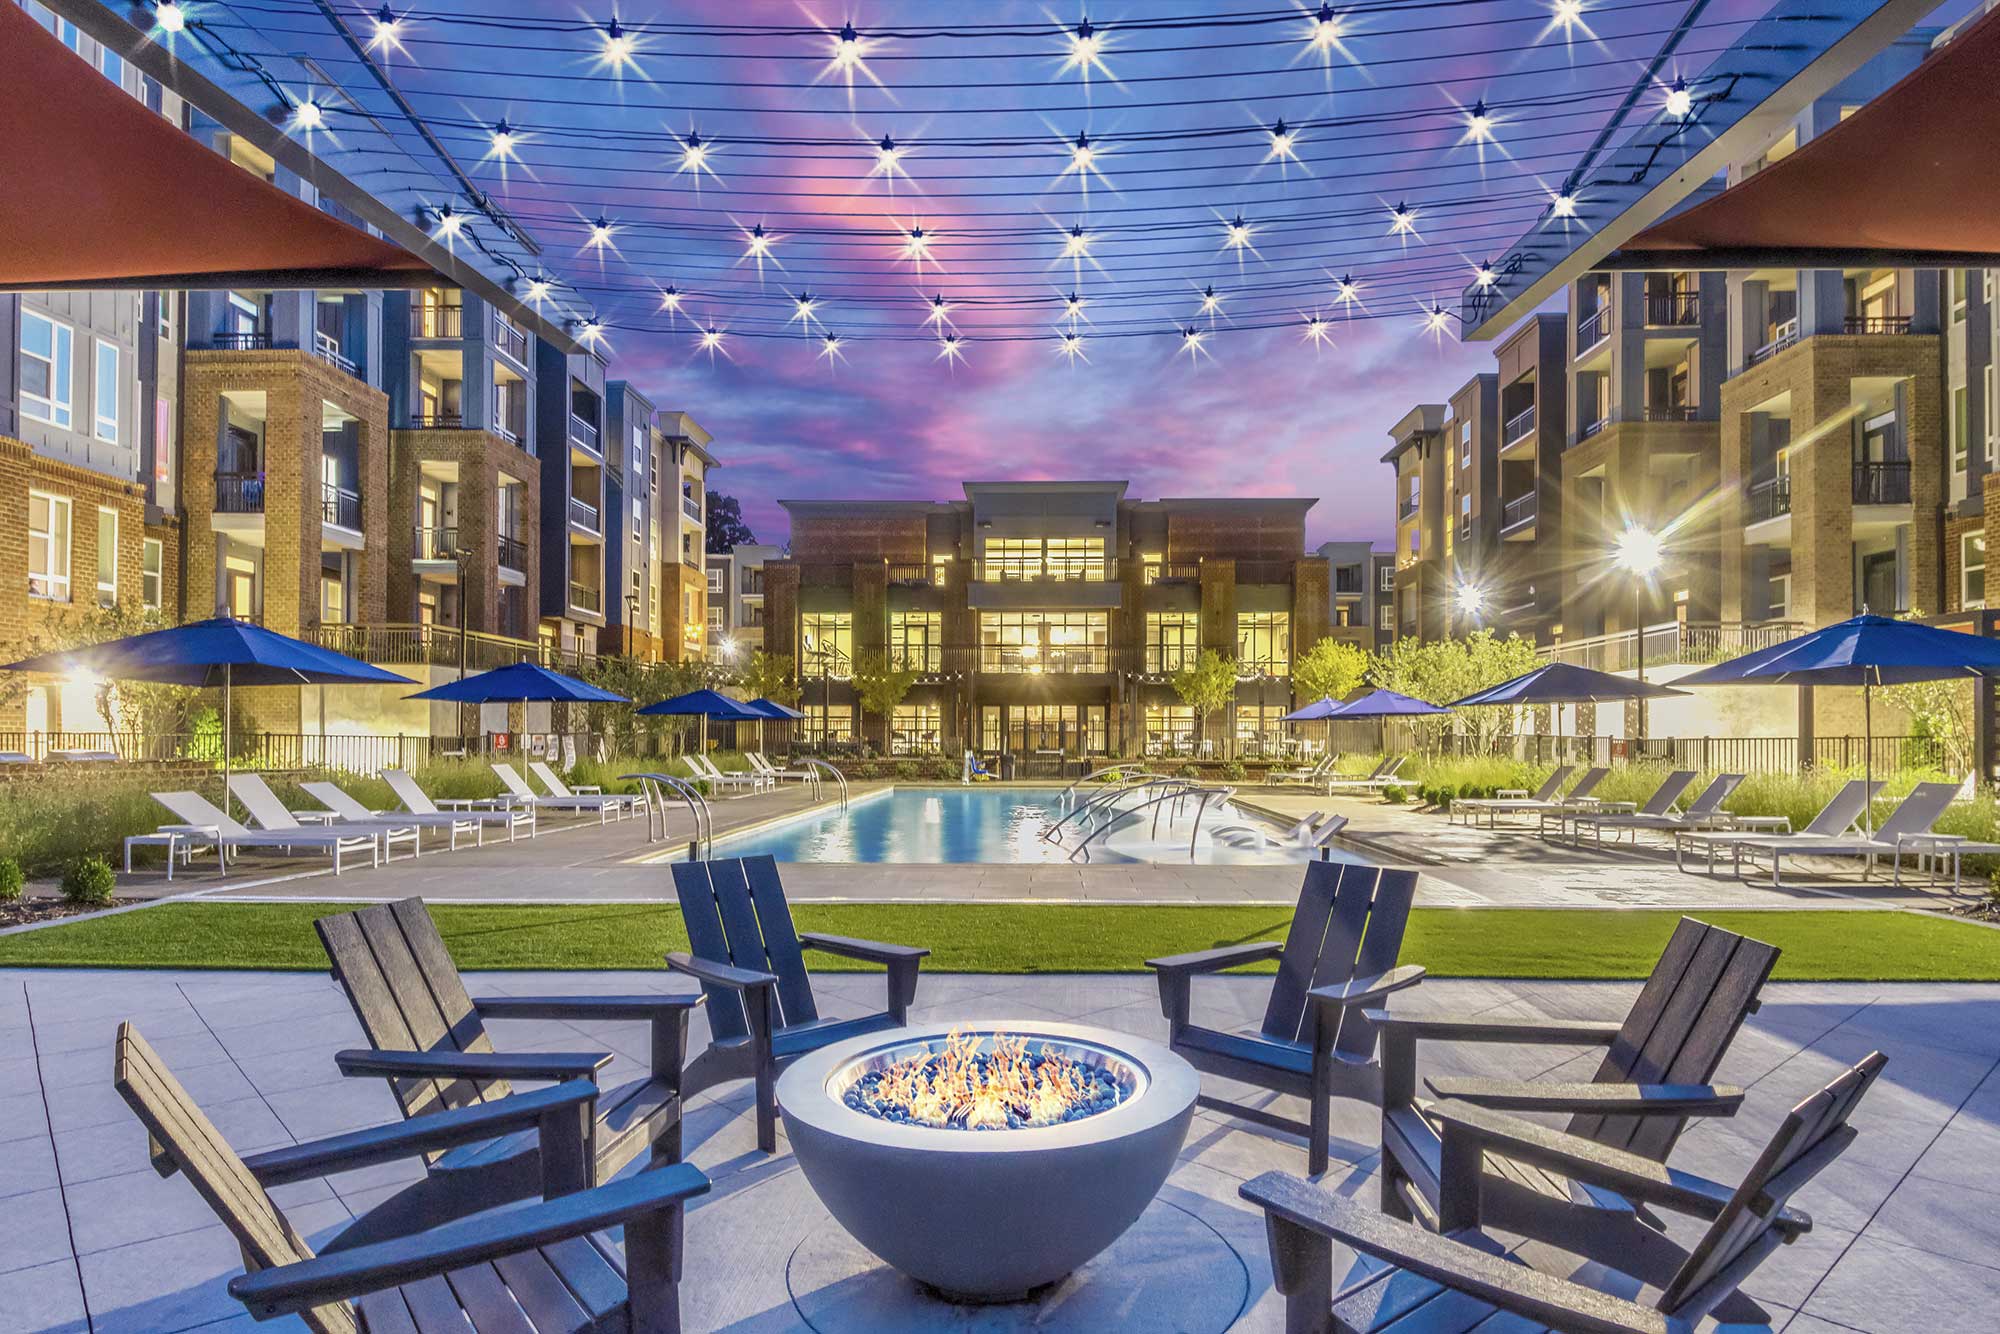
(972, 1083)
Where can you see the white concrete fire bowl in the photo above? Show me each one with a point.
(992, 1214)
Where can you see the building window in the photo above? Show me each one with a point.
(715, 581)
(105, 391)
(1972, 571)
(1961, 429)
(1416, 543)
(1258, 728)
(1958, 294)
(48, 546)
(827, 641)
(916, 641)
(1388, 581)
(333, 588)
(112, 64)
(1044, 641)
(1992, 401)
(1264, 642)
(825, 723)
(107, 556)
(1778, 601)
(46, 349)
(1173, 640)
(715, 626)
(1067, 558)
(152, 559)
(639, 453)
(916, 729)
(1385, 619)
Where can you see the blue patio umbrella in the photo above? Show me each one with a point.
(1318, 711)
(223, 652)
(706, 704)
(1866, 651)
(519, 683)
(1564, 683)
(775, 709)
(1385, 704)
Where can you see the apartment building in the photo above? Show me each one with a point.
(570, 442)
(684, 578)
(1361, 582)
(736, 599)
(1525, 589)
(1046, 617)
(656, 502)
(1424, 583)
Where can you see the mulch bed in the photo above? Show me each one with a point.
(1986, 910)
(22, 912)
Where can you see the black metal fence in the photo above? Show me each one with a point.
(1720, 754)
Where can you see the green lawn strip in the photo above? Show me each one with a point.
(1008, 938)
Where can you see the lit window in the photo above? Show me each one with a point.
(914, 729)
(1264, 642)
(1972, 571)
(1961, 429)
(715, 581)
(107, 556)
(1173, 640)
(152, 559)
(1385, 620)
(48, 546)
(827, 643)
(1958, 294)
(916, 641)
(46, 369)
(105, 392)
(1035, 642)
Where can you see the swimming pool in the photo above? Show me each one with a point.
(998, 825)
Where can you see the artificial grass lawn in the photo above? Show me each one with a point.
(1820, 946)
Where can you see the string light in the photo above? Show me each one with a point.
(1086, 52)
(917, 246)
(1484, 275)
(1563, 205)
(889, 161)
(620, 49)
(1211, 304)
(939, 314)
(1070, 347)
(308, 115)
(1082, 155)
(388, 34)
(1566, 19)
(1680, 102)
(711, 343)
(951, 350)
(170, 17)
(601, 231)
(590, 331)
(1402, 220)
(1323, 33)
(1077, 245)
(670, 300)
(1073, 308)
(1437, 321)
(829, 350)
(1478, 125)
(537, 291)
(757, 245)
(1236, 234)
(1317, 332)
(504, 141)
(1191, 343)
(847, 49)
(1283, 143)
(803, 306)
(1346, 291)
(450, 224)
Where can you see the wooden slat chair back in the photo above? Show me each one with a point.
(1698, 995)
(393, 965)
(1349, 924)
(184, 1140)
(1813, 1134)
(735, 913)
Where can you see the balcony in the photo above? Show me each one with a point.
(340, 507)
(1518, 428)
(436, 321)
(1676, 310)
(1771, 500)
(436, 544)
(239, 493)
(513, 553)
(1671, 412)
(583, 597)
(1782, 337)
(1589, 429)
(908, 574)
(437, 421)
(241, 340)
(583, 432)
(691, 510)
(1593, 329)
(1173, 572)
(1519, 512)
(1406, 508)
(1673, 642)
(327, 348)
(1876, 324)
(1044, 571)
(583, 514)
(512, 339)
(1031, 660)
(1882, 483)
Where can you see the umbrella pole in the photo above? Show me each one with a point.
(1867, 759)
(228, 671)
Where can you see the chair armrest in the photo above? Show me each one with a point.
(584, 1007)
(587, 789)
(1505, 1283)
(1363, 990)
(473, 1065)
(1558, 1032)
(418, 1135)
(868, 951)
(341, 1275)
(1608, 1099)
(1215, 960)
(1629, 1174)
(720, 974)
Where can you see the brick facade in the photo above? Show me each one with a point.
(479, 460)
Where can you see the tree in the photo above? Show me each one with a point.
(1331, 669)
(726, 528)
(880, 686)
(1206, 686)
(124, 706)
(771, 676)
(1439, 671)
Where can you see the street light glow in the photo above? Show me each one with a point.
(1638, 551)
(1471, 599)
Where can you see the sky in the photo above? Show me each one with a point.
(1464, 117)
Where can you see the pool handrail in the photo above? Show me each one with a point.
(838, 777)
(1188, 788)
(1137, 773)
(697, 804)
(1097, 801)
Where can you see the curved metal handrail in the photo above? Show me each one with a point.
(1096, 803)
(1155, 802)
(690, 795)
(1137, 772)
(838, 776)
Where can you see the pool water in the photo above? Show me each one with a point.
(986, 825)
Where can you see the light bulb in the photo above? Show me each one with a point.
(1680, 102)
(170, 16)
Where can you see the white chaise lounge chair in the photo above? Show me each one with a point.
(1833, 821)
(1704, 812)
(1383, 776)
(519, 793)
(1659, 803)
(348, 808)
(704, 768)
(485, 810)
(1906, 831)
(771, 771)
(272, 816)
(622, 804)
(1318, 772)
(196, 812)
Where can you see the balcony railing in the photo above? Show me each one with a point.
(436, 321)
(1588, 429)
(583, 514)
(1054, 570)
(239, 493)
(1876, 324)
(1031, 660)
(512, 339)
(437, 421)
(1882, 483)
(408, 645)
(245, 340)
(1771, 499)
(1782, 337)
(327, 348)
(1671, 642)
(1518, 512)
(513, 553)
(1674, 310)
(1406, 507)
(908, 573)
(691, 510)
(339, 506)
(585, 598)
(1173, 572)
(436, 544)
(1670, 412)
(583, 432)
(1593, 329)
(1519, 426)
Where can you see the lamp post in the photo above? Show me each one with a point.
(459, 557)
(631, 622)
(1637, 552)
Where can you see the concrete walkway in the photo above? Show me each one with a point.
(1906, 1236)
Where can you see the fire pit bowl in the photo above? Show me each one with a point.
(990, 1214)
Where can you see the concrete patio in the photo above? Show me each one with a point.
(1907, 1231)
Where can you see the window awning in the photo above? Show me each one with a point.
(104, 193)
(1911, 179)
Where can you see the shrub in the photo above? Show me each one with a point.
(1393, 795)
(941, 768)
(1187, 771)
(11, 880)
(88, 880)
(1234, 772)
(907, 770)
